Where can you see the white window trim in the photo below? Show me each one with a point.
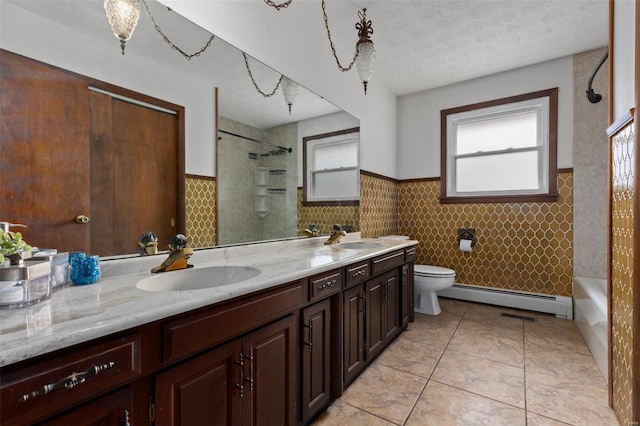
(311, 146)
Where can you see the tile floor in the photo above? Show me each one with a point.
(472, 366)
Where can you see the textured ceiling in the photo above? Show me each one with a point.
(421, 44)
(427, 44)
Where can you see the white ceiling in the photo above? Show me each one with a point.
(420, 44)
(426, 44)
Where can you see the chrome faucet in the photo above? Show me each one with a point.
(179, 254)
(336, 234)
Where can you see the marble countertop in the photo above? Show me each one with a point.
(78, 314)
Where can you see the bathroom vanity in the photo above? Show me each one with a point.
(273, 349)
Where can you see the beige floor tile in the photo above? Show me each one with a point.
(489, 345)
(444, 405)
(340, 414)
(562, 363)
(385, 392)
(568, 401)
(556, 335)
(492, 379)
(505, 327)
(411, 356)
(429, 335)
(537, 420)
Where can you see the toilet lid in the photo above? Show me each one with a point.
(433, 271)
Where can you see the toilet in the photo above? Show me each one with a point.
(427, 280)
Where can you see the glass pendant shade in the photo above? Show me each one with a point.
(365, 61)
(123, 17)
(289, 90)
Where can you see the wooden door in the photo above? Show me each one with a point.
(202, 391)
(316, 358)
(406, 291)
(44, 152)
(270, 371)
(114, 409)
(375, 329)
(391, 305)
(354, 361)
(135, 175)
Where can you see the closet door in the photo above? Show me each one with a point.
(135, 163)
(44, 152)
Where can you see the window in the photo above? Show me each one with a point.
(332, 175)
(502, 150)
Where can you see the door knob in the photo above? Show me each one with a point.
(82, 219)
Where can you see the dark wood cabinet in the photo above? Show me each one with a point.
(382, 312)
(316, 357)
(353, 330)
(406, 294)
(205, 390)
(114, 409)
(249, 381)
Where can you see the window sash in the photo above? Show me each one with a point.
(525, 104)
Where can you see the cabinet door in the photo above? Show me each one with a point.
(391, 304)
(353, 326)
(316, 361)
(205, 390)
(406, 293)
(270, 374)
(114, 409)
(375, 329)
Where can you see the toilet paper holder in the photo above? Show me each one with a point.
(467, 234)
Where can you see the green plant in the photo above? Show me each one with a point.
(11, 243)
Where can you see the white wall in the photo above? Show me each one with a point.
(419, 113)
(30, 35)
(624, 55)
(294, 42)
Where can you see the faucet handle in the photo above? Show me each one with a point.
(337, 228)
(178, 242)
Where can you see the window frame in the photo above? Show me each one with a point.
(306, 142)
(551, 195)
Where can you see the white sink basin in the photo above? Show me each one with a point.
(198, 278)
(358, 245)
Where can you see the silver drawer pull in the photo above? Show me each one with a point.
(327, 284)
(69, 382)
(358, 273)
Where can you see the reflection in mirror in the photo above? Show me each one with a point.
(76, 36)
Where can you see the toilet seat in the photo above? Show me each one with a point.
(429, 271)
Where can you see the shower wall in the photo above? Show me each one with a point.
(238, 160)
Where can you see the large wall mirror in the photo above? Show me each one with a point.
(239, 171)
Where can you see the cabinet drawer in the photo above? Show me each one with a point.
(410, 254)
(197, 332)
(324, 285)
(387, 261)
(357, 273)
(44, 388)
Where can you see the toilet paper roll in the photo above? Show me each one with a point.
(465, 245)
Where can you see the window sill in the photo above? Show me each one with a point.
(533, 198)
(331, 203)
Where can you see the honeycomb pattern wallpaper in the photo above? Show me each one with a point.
(378, 205)
(623, 197)
(324, 217)
(200, 211)
(520, 246)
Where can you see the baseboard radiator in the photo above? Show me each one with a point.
(560, 306)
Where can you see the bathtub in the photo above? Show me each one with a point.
(590, 315)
